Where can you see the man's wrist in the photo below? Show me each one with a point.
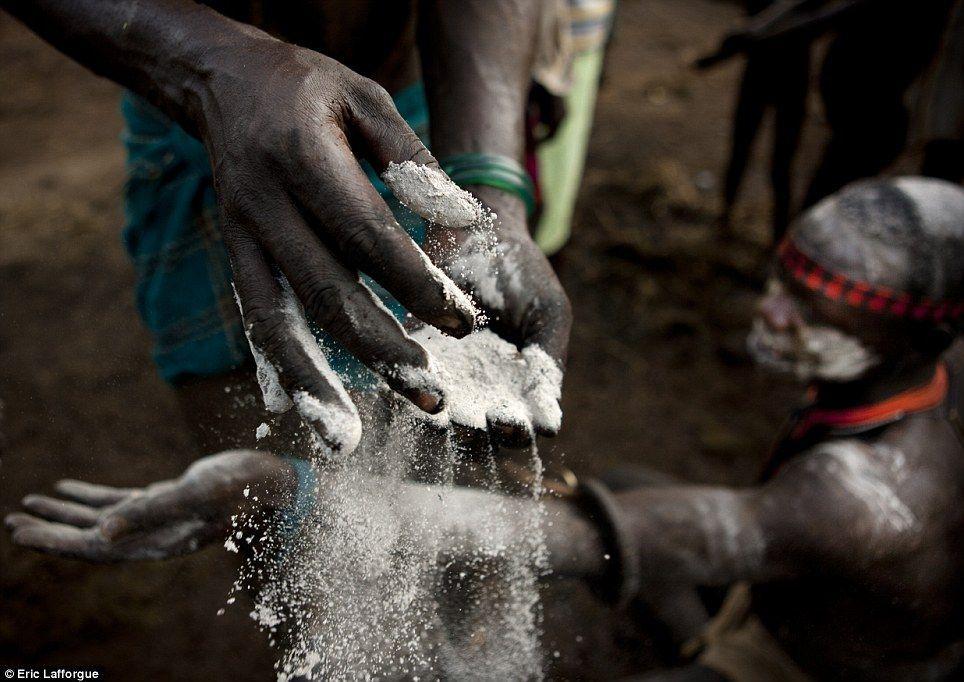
(509, 208)
(497, 171)
(209, 65)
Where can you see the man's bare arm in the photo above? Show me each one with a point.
(159, 49)
(829, 510)
(171, 518)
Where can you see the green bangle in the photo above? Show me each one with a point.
(492, 170)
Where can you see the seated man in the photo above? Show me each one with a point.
(850, 544)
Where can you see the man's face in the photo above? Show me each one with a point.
(788, 335)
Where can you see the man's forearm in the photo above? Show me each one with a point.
(695, 535)
(477, 59)
(161, 49)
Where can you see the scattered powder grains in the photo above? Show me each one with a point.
(385, 577)
(372, 575)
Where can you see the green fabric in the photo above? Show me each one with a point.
(562, 158)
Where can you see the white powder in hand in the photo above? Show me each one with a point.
(430, 193)
(486, 378)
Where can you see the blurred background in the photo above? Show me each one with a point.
(657, 370)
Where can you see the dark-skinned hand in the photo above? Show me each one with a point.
(283, 126)
(104, 524)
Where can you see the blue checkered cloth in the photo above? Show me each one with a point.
(184, 292)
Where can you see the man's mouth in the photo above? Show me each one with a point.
(819, 352)
(770, 349)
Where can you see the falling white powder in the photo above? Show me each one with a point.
(430, 193)
(389, 578)
(262, 431)
(486, 379)
(478, 272)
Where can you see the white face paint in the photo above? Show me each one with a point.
(809, 351)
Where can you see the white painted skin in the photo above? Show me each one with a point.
(869, 480)
(810, 351)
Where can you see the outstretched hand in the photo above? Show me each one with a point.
(104, 524)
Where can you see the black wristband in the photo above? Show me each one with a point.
(621, 583)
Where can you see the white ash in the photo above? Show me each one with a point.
(338, 416)
(263, 431)
(485, 267)
(387, 578)
(450, 289)
(478, 272)
(275, 398)
(430, 193)
(486, 378)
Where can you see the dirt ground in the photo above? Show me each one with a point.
(657, 373)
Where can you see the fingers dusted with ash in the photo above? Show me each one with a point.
(66, 527)
(105, 525)
(317, 220)
(92, 494)
(407, 167)
(288, 366)
(61, 511)
(60, 539)
(352, 216)
(291, 365)
(428, 191)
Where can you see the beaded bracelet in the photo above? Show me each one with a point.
(492, 170)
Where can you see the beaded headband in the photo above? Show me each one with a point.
(862, 295)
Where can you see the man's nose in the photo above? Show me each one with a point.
(778, 312)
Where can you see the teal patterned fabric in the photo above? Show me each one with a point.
(184, 292)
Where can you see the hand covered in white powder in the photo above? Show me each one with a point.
(513, 282)
(286, 129)
(104, 524)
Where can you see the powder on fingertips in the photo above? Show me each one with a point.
(429, 192)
